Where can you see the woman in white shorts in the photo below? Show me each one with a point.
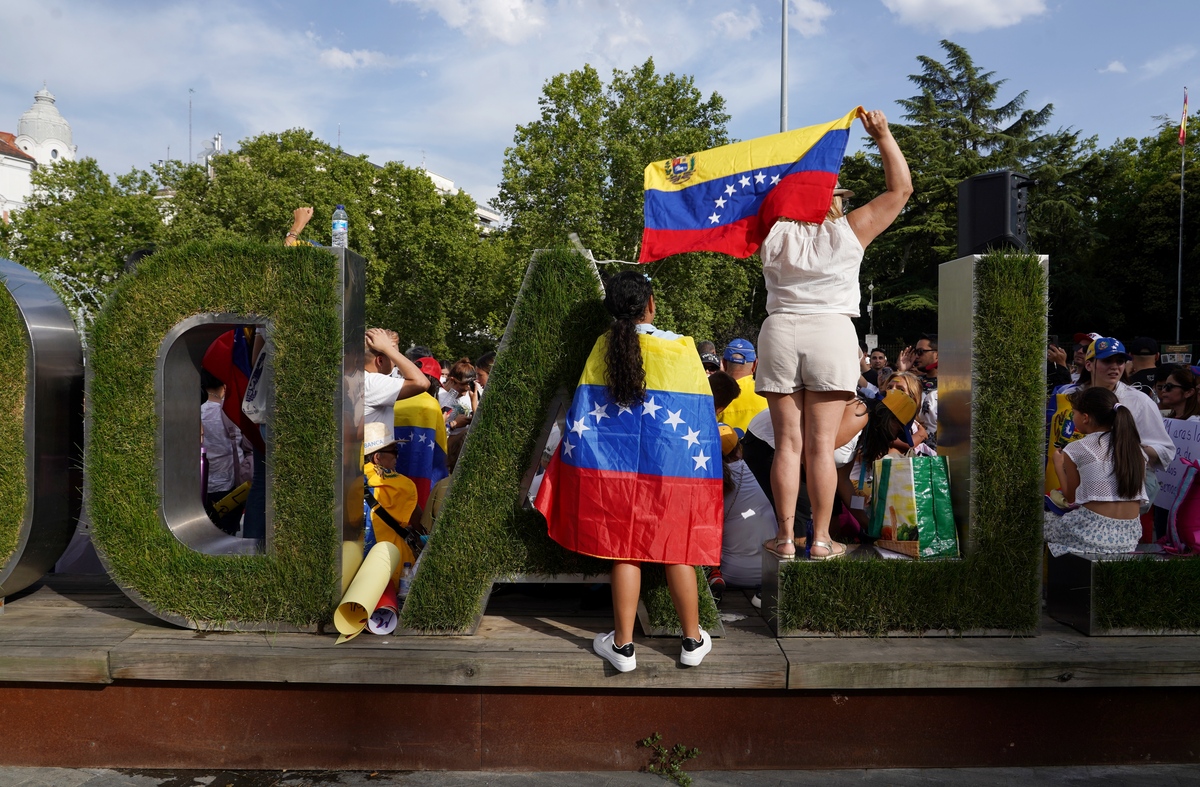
(808, 348)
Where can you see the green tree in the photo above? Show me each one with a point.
(430, 276)
(954, 128)
(81, 223)
(1124, 283)
(579, 168)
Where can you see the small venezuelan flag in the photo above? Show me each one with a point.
(1183, 122)
(420, 443)
(727, 198)
(643, 482)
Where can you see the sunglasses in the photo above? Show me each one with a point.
(922, 352)
(1166, 387)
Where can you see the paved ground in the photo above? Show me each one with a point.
(1124, 776)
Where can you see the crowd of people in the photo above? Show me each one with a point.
(415, 409)
(799, 417)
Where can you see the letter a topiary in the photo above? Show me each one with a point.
(484, 531)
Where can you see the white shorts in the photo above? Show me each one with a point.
(807, 352)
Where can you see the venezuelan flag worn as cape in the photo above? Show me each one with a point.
(420, 443)
(726, 199)
(642, 482)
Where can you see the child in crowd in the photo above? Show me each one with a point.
(1102, 473)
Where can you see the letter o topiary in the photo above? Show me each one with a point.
(41, 399)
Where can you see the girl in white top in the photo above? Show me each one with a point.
(1103, 473)
(808, 347)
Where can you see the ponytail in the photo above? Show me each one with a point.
(626, 297)
(1124, 445)
(1129, 463)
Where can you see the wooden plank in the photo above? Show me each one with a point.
(506, 652)
(1059, 657)
(54, 664)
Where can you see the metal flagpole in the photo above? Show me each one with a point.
(783, 120)
(1179, 272)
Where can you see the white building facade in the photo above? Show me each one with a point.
(43, 138)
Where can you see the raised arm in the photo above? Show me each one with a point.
(300, 219)
(878, 214)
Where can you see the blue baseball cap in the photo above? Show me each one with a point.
(1106, 347)
(739, 351)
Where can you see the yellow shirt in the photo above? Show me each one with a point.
(746, 406)
(397, 494)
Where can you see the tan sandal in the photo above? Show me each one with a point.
(772, 546)
(828, 546)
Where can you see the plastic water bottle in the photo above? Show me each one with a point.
(406, 579)
(341, 228)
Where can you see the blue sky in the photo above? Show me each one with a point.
(444, 82)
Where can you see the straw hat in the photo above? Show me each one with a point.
(376, 436)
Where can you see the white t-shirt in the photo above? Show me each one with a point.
(749, 521)
(1149, 422)
(379, 398)
(762, 428)
(220, 446)
(460, 404)
(812, 268)
(1097, 479)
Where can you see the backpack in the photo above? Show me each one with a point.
(1183, 522)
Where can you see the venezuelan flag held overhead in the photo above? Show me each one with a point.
(642, 482)
(420, 443)
(727, 198)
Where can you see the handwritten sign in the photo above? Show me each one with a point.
(1186, 436)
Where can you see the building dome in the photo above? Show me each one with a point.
(43, 132)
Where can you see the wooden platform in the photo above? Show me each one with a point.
(84, 630)
(89, 680)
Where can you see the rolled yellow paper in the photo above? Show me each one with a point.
(365, 590)
(352, 558)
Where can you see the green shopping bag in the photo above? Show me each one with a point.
(912, 503)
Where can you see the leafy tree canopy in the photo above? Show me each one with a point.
(579, 168)
(431, 277)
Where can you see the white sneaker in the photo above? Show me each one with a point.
(694, 652)
(623, 658)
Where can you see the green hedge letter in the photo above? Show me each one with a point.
(41, 428)
(143, 418)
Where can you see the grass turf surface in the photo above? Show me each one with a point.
(296, 289)
(1152, 595)
(13, 350)
(997, 585)
(483, 531)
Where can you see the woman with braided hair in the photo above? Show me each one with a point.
(637, 477)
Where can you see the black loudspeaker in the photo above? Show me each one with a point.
(991, 212)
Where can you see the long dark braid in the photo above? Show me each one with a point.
(626, 297)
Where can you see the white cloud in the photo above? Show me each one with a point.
(964, 16)
(509, 21)
(359, 58)
(1115, 67)
(737, 27)
(808, 16)
(1169, 60)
